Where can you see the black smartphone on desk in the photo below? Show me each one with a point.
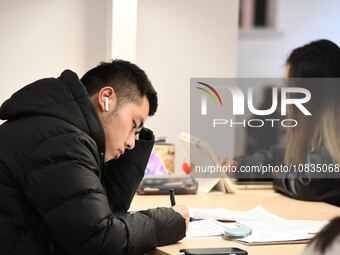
(213, 251)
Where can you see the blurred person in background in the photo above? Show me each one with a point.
(316, 139)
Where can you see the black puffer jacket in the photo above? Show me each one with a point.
(57, 196)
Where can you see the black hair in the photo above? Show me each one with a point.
(318, 59)
(327, 235)
(128, 80)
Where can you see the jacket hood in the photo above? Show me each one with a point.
(65, 98)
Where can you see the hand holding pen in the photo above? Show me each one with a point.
(181, 209)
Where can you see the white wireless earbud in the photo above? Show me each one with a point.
(106, 101)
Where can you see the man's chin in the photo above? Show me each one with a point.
(107, 159)
(117, 156)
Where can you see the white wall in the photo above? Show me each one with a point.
(124, 29)
(41, 38)
(182, 39)
(264, 54)
(298, 22)
(174, 40)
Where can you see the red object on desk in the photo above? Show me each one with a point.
(186, 168)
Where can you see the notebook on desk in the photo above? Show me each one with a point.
(204, 153)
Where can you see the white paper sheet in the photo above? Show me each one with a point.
(307, 226)
(282, 230)
(266, 227)
(207, 228)
(257, 213)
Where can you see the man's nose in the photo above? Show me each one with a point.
(130, 142)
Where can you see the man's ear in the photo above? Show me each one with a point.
(106, 99)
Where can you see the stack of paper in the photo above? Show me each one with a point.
(207, 228)
(281, 231)
(267, 228)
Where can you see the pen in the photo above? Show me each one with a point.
(172, 197)
(173, 202)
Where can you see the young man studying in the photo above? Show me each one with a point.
(72, 154)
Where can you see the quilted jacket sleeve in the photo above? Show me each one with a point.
(63, 187)
(123, 175)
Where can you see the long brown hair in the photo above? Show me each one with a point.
(318, 63)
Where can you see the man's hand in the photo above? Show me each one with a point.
(229, 162)
(184, 211)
